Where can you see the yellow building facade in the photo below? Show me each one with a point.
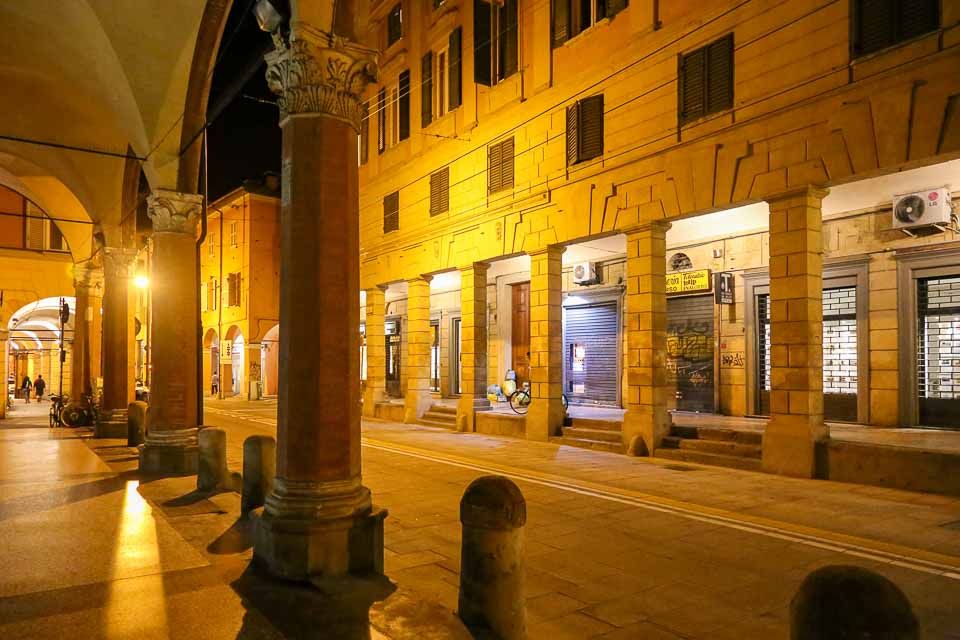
(525, 145)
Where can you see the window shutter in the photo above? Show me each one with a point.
(493, 168)
(204, 300)
(426, 89)
(506, 164)
(35, 231)
(455, 71)
(391, 212)
(404, 100)
(573, 134)
(691, 86)
(56, 238)
(481, 42)
(720, 75)
(440, 191)
(561, 22)
(918, 17)
(590, 127)
(394, 25)
(365, 135)
(507, 61)
(613, 7)
(382, 121)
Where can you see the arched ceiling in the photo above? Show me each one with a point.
(37, 325)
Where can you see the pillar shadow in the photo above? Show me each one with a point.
(237, 539)
(333, 609)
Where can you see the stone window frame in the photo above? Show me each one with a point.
(837, 272)
(913, 264)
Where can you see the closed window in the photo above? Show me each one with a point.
(233, 289)
(878, 24)
(234, 234)
(395, 111)
(443, 87)
(500, 166)
(571, 17)
(391, 212)
(382, 120)
(363, 140)
(706, 80)
(440, 191)
(585, 129)
(204, 300)
(211, 246)
(495, 32)
(394, 25)
(56, 238)
(211, 292)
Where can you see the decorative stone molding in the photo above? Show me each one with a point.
(88, 275)
(174, 212)
(172, 437)
(309, 500)
(118, 263)
(322, 73)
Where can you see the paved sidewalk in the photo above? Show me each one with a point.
(632, 548)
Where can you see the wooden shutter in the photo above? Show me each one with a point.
(917, 17)
(426, 89)
(455, 70)
(613, 7)
(507, 38)
(404, 104)
(391, 212)
(561, 22)
(493, 168)
(204, 300)
(719, 75)
(573, 134)
(382, 120)
(440, 191)
(590, 127)
(35, 230)
(874, 25)
(394, 25)
(365, 135)
(56, 238)
(482, 50)
(506, 164)
(692, 76)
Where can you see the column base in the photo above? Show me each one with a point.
(544, 419)
(790, 448)
(173, 452)
(371, 396)
(643, 432)
(416, 403)
(111, 423)
(467, 408)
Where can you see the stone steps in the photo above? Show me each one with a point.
(721, 447)
(441, 416)
(717, 434)
(593, 423)
(601, 435)
(717, 446)
(713, 459)
(585, 443)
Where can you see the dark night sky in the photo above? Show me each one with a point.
(244, 141)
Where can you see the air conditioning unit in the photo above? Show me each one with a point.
(585, 273)
(921, 208)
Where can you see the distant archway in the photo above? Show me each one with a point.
(270, 361)
(232, 362)
(34, 343)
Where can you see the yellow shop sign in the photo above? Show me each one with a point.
(689, 281)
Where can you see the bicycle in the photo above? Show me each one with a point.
(520, 400)
(56, 409)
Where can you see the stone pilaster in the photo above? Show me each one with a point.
(419, 338)
(319, 519)
(796, 334)
(88, 282)
(545, 416)
(376, 385)
(646, 420)
(473, 345)
(119, 346)
(170, 446)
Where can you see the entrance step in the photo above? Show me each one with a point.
(717, 434)
(600, 435)
(713, 459)
(440, 415)
(586, 443)
(444, 408)
(736, 449)
(721, 447)
(597, 424)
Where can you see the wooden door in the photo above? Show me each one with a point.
(521, 332)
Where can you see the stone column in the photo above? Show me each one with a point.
(4, 360)
(545, 416)
(170, 446)
(88, 281)
(419, 338)
(376, 386)
(473, 345)
(796, 334)
(119, 346)
(646, 420)
(319, 520)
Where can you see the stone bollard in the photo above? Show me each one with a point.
(136, 423)
(212, 471)
(259, 468)
(492, 568)
(841, 601)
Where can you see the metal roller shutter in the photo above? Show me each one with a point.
(590, 347)
(690, 352)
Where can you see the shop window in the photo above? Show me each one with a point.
(495, 27)
(394, 24)
(585, 129)
(435, 356)
(879, 24)
(571, 17)
(440, 191)
(938, 351)
(391, 212)
(500, 166)
(706, 80)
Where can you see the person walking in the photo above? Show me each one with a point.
(25, 387)
(214, 383)
(39, 386)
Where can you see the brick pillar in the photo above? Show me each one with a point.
(796, 334)
(88, 282)
(319, 520)
(473, 344)
(646, 420)
(376, 386)
(545, 416)
(419, 339)
(884, 343)
(170, 446)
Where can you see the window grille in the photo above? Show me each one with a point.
(938, 350)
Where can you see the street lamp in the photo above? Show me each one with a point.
(141, 282)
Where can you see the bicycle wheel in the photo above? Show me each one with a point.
(53, 415)
(520, 401)
(563, 398)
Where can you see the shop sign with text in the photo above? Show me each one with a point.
(689, 282)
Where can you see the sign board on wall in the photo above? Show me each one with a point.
(723, 291)
(696, 281)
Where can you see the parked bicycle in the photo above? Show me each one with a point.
(56, 410)
(520, 399)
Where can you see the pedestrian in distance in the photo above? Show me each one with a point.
(214, 383)
(39, 386)
(25, 387)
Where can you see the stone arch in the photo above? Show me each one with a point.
(34, 341)
(270, 361)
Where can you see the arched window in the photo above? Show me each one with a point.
(680, 262)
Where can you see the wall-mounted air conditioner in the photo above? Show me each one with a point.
(921, 208)
(585, 273)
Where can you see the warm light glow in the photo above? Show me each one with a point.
(141, 282)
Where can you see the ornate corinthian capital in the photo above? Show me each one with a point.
(321, 73)
(118, 263)
(174, 212)
(88, 275)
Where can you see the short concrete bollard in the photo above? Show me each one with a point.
(259, 468)
(841, 601)
(492, 567)
(136, 423)
(212, 471)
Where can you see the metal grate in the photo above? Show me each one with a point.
(938, 340)
(840, 340)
